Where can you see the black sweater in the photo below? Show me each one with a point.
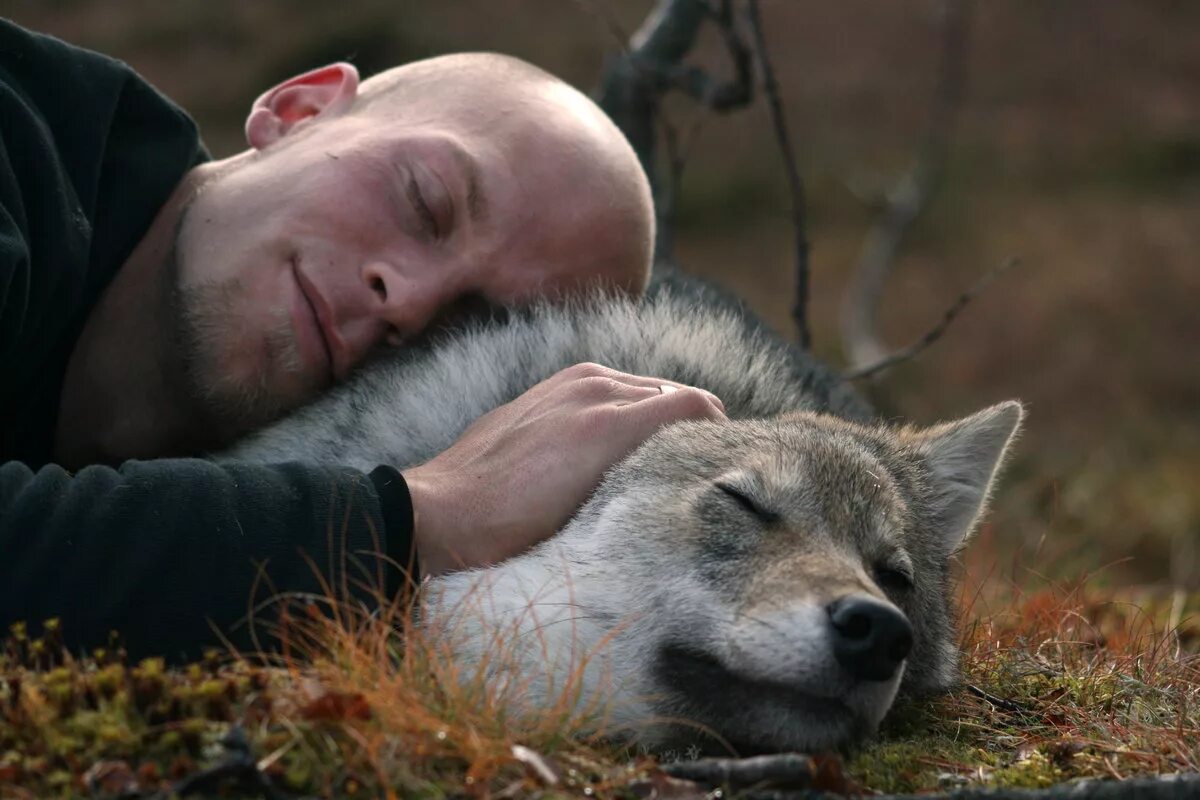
(164, 551)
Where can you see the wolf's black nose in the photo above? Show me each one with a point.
(870, 637)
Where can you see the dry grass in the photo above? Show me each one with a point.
(1059, 683)
(1064, 682)
(350, 701)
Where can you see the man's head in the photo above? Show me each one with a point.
(363, 213)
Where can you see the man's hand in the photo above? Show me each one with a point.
(519, 472)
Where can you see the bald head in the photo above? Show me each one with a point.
(562, 146)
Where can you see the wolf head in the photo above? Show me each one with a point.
(765, 584)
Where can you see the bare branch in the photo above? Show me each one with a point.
(739, 91)
(909, 197)
(632, 88)
(721, 96)
(934, 333)
(650, 67)
(795, 184)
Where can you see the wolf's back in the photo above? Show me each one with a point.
(406, 408)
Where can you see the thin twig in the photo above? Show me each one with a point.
(1001, 703)
(791, 171)
(934, 333)
(908, 199)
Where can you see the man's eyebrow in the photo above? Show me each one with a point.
(476, 202)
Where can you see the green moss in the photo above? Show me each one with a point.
(910, 764)
(1035, 771)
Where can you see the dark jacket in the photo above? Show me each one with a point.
(165, 551)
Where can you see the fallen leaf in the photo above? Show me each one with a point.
(829, 775)
(337, 706)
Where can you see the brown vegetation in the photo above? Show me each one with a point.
(1059, 683)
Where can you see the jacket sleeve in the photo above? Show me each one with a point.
(167, 552)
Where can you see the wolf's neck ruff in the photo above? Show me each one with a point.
(775, 580)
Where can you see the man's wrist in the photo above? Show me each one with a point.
(399, 520)
(429, 528)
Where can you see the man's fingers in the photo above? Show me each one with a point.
(687, 402)
(671, 388)
(624, 389)
(588, 371)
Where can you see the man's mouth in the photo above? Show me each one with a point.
(311, 334)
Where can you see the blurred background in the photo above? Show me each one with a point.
(1076, 149)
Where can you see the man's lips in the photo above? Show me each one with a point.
(310, 340)
(334, 347)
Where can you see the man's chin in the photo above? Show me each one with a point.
(236, 408)
(233, 385)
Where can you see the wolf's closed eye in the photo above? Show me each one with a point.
(893, 580)
(744, 500)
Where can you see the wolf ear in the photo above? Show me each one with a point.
(963, 458)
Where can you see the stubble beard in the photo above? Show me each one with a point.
(205, 332)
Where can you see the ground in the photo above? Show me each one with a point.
(1057, 685)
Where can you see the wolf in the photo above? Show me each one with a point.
(765, 583)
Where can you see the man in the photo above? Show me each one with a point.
(155, 305)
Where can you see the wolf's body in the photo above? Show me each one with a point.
(774, 579)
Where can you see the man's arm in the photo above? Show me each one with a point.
(167, 551)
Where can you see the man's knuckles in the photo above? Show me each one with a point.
(586, 369)
(594, 384)
(604, 389)
(691, 403)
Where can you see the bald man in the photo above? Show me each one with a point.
(155, 305)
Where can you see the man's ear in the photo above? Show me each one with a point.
(963, 458)
(320, 92)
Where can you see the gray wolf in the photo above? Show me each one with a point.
(771, 582)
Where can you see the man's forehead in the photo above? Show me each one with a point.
(483, 78)
(566, 195)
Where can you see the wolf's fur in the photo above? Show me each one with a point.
(700, 575)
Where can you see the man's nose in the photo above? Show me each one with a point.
(406, 304)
